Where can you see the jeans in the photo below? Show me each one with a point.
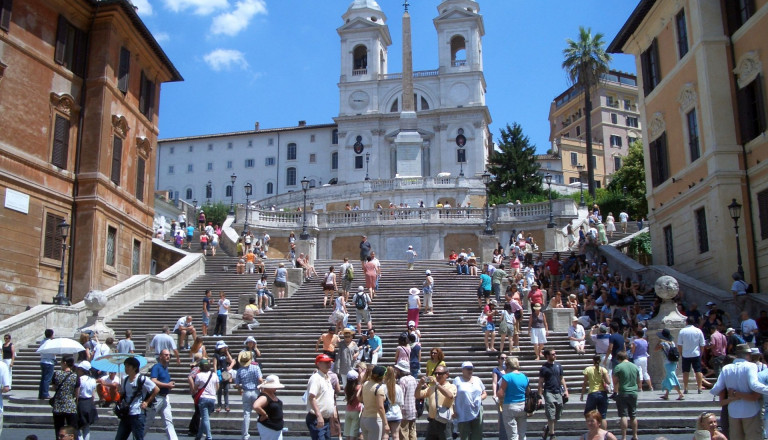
(163, 407)
(133, 424)
(248, 398)
(223, 391)
(46, 375)
(515, 420)
(221, 325)
(206, 408)
(316, 433)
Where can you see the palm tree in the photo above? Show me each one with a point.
(585, 62)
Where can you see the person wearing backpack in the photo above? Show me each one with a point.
(670, 351)
(347, 272)
(138, 391)
(362, 309)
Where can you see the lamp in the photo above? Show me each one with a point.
(735, 210)
(248, 191)
(624, 190)
(367, 159)
(486, 176)
(580, 167)
(61, 298)
(548, 178)
(208, 192)
(304, 187)
(232, 178)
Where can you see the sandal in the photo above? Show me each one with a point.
(664, 397)
(681, 398)
(226, 409)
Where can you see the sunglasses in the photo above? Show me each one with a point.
(441, 374)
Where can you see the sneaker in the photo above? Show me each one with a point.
(269, 309)
(261, 311)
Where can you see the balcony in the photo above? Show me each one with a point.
(358, 72)
(459, 63)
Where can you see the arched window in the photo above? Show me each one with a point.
(335, 136)
(458, 51)
(360, 60)
(188, 194)
(270, 188)
(424, 104)
(291, 151)
(228, 191)
(312, 183)
(290, 176)
(335, 160)
(395, 107)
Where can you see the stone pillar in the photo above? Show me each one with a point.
(487, 245)
(308, 248)
(666, 288)
(559, 319)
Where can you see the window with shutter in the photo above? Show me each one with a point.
(669, 247)
(123, 70)
(701, 230)
(60, 150)
(682, 33)
(751, 110)
(762, 206)
(52, 238)
(136, 258)
(111, 246)
(146, 96)
(70, 47)
(117, 159)
(5, 14)
(649, 62)
(140, 164)
(659, 160)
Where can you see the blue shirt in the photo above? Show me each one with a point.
(517, 384)
(49, 359)
(190, 230)
(486, 281)
(248, 378)
(161, 373)
(374, 343)
(468, 398)
(742, 377)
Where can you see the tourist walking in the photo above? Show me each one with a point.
(347, 272)
(221, 317)
(596, 427)
(409, 384)
(281, 280)
(470, 393)
(126, 345)
(512, 392)
(206, 315)
(270, 409)
(348, 352)
(623, 219)
(671, 356)
(596, 383)
(64, 402)
(164, 341)
(410, 257)
(223, 363)
(428, 288)
(538, 330)
(162, 378)
(490, 328)
(396, 400)
(610, 225)
(371, 272)
(354, 407)
(9, 355)
(441, 395)
(365, 249)
(247, 380)
(497, 374)
(206, 384)
(86, 409)
(137, 391)
(691, 339)
(46, 369)
(362, 310)
(640, 359)
(507, 326)
(329, 286)
(553, 391)
(436, 359)
(414, 305)
(321, 401)
(625, 379)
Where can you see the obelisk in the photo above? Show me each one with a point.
(408, 142)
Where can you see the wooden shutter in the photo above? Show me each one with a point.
(140, 179)
(52, 239)
(117, 159)
(61, 40)
(142, 92)
(79, 46)
(124, 70)
(5, 14)
(60, 152)
(150, 99)
(762, 206)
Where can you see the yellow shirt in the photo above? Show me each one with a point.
(595, 378)
(442, 400)
(370, 401)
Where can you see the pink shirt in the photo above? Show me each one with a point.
(718, 342)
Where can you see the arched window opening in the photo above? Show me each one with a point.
(395, 107)
(458, 51)
(335, 136)
(290, 177)
(360, 60)
(188, 194)
(228, 191)
(424, 104)
(270, 188)
(312, 183)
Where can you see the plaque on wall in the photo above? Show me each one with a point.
(17, 201)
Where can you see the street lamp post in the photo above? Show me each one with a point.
(735, 210)
(486, 176)
(232, 178)
(208, 192)
(624, 191)
(548, 178)
(248, 191)
(580, 167)
(304, 187)
(367, 159)
(61, 298)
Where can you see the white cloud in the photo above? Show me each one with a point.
(225, 59)
(161, 37)
(231, 23)
(143, 6)
(199, 7)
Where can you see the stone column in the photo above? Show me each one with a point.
(666, 288)
(487, 245)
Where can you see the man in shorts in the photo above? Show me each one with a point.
(206, 315)
(363, 315)
(625, 376)
(183, 328)
(553, 390)
(484, 288)
(346, 283)
(691, 339)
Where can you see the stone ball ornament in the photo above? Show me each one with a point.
(666, 287)
(95, 300)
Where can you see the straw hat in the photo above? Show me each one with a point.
(244, 358)
(271, 382)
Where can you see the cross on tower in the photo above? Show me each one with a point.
(406, 5)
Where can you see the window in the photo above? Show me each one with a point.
(190, 168)
(682, 33)
(610, 101)
(631, 140)
(250, 142)
(172, 150)
(632, 122)
(210, 147)
(140, 171)
(627, 104)
(52, 242)
(394, 108)
(751, 110)
(614, 118)
(290, 176)
(458, 51)
(659, 160)
(312, 158)
(358, 162)
(616, 162)
(701, 230)
(228, 191)
(5, 14)
(124, 70)
(291, 151)
(210, 166)
(335, 136)
(70, 46)
(335, 160)
(312, 138)
(574, 159)
(762, 206)
(270, 188)
(117, 159)
(738, 12)
(60, 150)
(693, 135)
(271, 141)
(191, 148)
(229, 145)
(269, 161)
(669, 246)
(188, 194)
(229, 164)
(615, 141)
(360, 60)
(573, 180)
(594, 161)
(170, 169)
(249, 163)
(111, 245)
(578, 130)
(136, 258)
(649, 63)
(461, 155)
(146, 96)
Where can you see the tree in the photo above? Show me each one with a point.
(632, 176)
(585, 61)
(514, 166)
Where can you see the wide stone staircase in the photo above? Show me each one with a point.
(287, 335)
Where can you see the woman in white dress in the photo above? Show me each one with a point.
(610, 225)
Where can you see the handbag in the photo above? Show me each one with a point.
(198, 393)
(482, 320)
(443, 413)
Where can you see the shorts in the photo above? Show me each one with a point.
(509, 330)
(345, 285)
(489, 327)
(553, 405)
(363, 316)
(538, 335)
(627, 405)
(351, 423)
(206, 319)
(597, 401)
(279, 283)
(486, 294)
(189, 238)
(177, 331)
(694, 362)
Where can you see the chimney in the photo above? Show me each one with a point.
(256, 126)
(302, 123)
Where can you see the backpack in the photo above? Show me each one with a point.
(349, 274)
(387, 404)
(360, 302)
(532, 403)
(673, 355)
(748, 288)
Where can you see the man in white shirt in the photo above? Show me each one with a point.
(321, 401)
(265, 242)
(690, 340)
(5, 386)
(623, 218)
(345, 283)
(183, 328)
(740, 380)
(102, 348)
(577, 336)
(749, 329)
(221, 318)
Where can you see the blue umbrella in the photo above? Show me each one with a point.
(113, 362)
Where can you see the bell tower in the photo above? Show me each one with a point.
(459, 36)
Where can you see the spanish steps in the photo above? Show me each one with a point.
(286, 337)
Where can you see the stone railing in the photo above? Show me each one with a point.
(29, 326)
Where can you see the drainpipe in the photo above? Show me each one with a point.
(277, 167)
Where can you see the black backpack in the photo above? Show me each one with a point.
(360, 301)
(673, 355)
(532, 401)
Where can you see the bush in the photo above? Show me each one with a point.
(216, 213)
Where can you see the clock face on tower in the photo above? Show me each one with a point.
(359, 100)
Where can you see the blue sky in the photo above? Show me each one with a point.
(277, 61)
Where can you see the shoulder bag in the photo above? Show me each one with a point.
(198, 393)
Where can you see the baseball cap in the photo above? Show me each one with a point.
(467, 364)
(323, 358)
(710, 304)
